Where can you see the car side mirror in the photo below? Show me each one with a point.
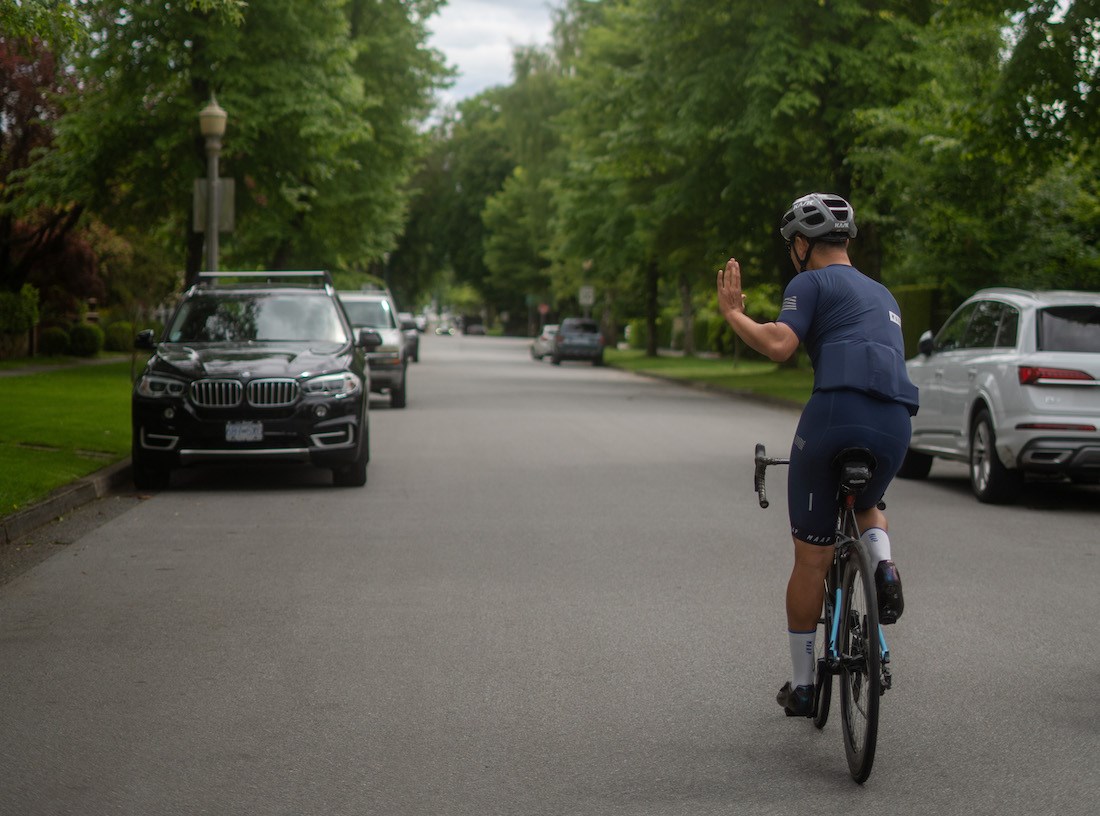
(144, 340)
(368, 339)
(924, 345)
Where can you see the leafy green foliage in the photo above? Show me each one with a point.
(53, 341)
(19, 311)
(85, 340)
(323, 101)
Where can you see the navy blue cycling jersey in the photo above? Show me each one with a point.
(851, 327)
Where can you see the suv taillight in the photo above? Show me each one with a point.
(1033, 375)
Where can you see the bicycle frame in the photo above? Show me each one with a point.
(851, 624)
(847, 538)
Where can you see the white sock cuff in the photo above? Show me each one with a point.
(878, 544)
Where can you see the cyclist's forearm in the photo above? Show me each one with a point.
(776, 341)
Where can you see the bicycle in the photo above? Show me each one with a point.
(853, 647)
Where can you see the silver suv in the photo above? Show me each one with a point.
(1011, 385)
(375, 310)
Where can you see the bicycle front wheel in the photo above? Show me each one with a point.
(861, 676)
(823, 680)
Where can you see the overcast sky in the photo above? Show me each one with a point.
(477, 37)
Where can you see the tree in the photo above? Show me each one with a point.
(320, 153)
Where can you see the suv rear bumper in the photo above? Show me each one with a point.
(1073, 457)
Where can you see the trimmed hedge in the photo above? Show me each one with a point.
(53, 342)
(119, 336)
(86, 340)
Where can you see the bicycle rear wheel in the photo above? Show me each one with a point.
(861, 677)
(823, 678)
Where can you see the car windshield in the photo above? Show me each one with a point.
(370, 314)
(1069, 328)
(235, 317)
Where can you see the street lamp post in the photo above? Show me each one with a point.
(212, 120)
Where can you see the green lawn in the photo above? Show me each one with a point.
(757, 377)
(60, 425)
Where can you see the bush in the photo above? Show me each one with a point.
(53, 342)
(18, 310)
(119, 336)
(86, 340)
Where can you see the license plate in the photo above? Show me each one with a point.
(244, 431)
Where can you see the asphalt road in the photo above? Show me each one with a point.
(556, 595)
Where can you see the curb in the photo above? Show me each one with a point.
(65, 500)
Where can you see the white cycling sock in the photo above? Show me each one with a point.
(802, 657)
(878, 545)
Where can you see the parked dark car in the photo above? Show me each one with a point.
(412, 336)
(262, 370)
(578, 338)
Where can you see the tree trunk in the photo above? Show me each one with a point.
(687, 315)
(652, 280)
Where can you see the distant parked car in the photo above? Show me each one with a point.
(258, 367)
(375, 310)
(578, 338)
(1011, 385)
(412, 336)
(474, 328)
(543, 345)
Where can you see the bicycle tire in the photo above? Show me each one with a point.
(861, 675)
(823, 678)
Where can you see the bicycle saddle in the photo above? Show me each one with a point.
(856, 465)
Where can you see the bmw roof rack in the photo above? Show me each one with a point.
(286, 277)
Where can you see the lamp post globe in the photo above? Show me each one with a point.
(212, 121)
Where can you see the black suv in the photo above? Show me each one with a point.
(263, 369)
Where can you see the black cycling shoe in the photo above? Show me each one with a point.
(796, 702)
(888, 585)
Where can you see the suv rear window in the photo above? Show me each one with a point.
(580, 326)
(1069, 328)
(373, 314)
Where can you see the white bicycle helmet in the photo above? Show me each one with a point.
(819, 215)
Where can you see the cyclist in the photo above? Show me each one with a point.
(862, 397)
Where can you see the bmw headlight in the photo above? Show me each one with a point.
(344, 384)
(157, 386)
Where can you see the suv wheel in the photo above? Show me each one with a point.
(991, 481)
(145, 475)
(915, 465)
(355, 474)
(398, 395)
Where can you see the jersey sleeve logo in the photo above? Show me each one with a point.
(790, 304)
(895, 318)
